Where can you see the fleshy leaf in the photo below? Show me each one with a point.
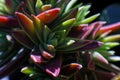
(92, 29)
(8, 22)
(26, 23)
(112, 38)
(37, 58)
(49, 15)
(28, 70)
(53, 67)
(22, 38)
(47, 55)
(112, 27)
(98, 56)
(89, 19)
(70, 69)
(91, 45)
(81, 45)
(114, 58)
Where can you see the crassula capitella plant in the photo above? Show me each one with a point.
(56, 40)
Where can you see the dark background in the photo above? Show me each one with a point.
(113, 9)
(98, 5)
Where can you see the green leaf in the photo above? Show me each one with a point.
(38, 5)
(29, 71)
(46, 32)
(69, 5)
(89, 19)
(68, 22)
(38, 26)
(82, 13)
(108, 45)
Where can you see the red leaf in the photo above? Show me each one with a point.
(49, 15)
(111, 27)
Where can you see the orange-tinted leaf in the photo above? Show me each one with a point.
(49, 15)
(112, 27)
(70, 69)
(26, 23)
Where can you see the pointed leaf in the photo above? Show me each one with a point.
(91, 45)
(49, 15)
(99, 24)
(69, 5)
(114, 58)
(68, 22)
(82, 45)
(92, 28)
(112, 38)
(26, 23)
(98, 56)
(112, 27)
(89, 19)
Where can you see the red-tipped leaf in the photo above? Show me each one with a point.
(49, 15)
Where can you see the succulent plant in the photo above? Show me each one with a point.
(56, 40)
